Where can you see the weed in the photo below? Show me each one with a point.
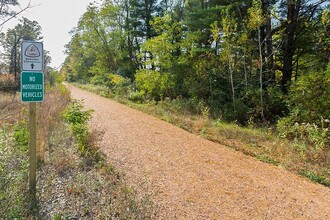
(78, 119)
(316, 177)
(13, 176)
(21, 135)
(267, 159)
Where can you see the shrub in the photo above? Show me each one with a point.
(21, 135)
(74, 114)
(154, 84)
(78, 119)
(309, 97)
(135, 97)
(313, 141)
(309, 106)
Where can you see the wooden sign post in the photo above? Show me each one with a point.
(33, 150)
(32, 91)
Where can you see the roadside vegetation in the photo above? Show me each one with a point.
(74, 180)
(306, 154)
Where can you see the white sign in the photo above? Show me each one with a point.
(32, 54)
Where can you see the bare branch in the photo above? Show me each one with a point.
(19, 12)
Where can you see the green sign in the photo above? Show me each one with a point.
(32, 86)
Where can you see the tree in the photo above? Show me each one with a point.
(299, 19)
(256, 20)
(229, 30)
(237, 57)
(24, 30)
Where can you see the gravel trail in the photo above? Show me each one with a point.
(194, 178)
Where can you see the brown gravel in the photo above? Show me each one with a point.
(195, 178)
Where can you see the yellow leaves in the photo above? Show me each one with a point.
(256, 19)
(215, 30)
(325, 17)
(116, 79)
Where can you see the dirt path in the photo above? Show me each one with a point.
(196, 178)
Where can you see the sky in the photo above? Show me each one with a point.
(56, 18)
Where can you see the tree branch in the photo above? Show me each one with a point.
(17, 13)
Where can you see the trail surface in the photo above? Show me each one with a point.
(195, 178)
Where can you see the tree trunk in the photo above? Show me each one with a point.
(268, 40)
(288, 45)
(231, 78)
(129, 39)
(261, 74)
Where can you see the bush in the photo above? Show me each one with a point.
(74, 114)
(78, 119)
(154, 84)
(314, 135)
(309, 98)
(308, 121)
(274, 105)
(136, 97)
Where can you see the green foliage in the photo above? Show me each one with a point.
(315, 136)
(256, 18)
(74, 114)
(154, 84)
(21, 135)
(13, 173)
(218, 52)
(309, 97)
(274, 105)
(316, 177)
(310, 111)
(53, 77)
(78, 121)
(136, 96)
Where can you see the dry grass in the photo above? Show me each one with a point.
(7, 82)
(10, 108)
(75, 188)
(55, 101)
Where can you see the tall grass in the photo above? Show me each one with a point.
(55, 101)
(7, 82)
(13, 173)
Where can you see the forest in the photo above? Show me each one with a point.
(262, 61)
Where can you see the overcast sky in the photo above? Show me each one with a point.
(57, 18)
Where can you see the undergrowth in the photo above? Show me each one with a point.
(13, 172)
(77, 118)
